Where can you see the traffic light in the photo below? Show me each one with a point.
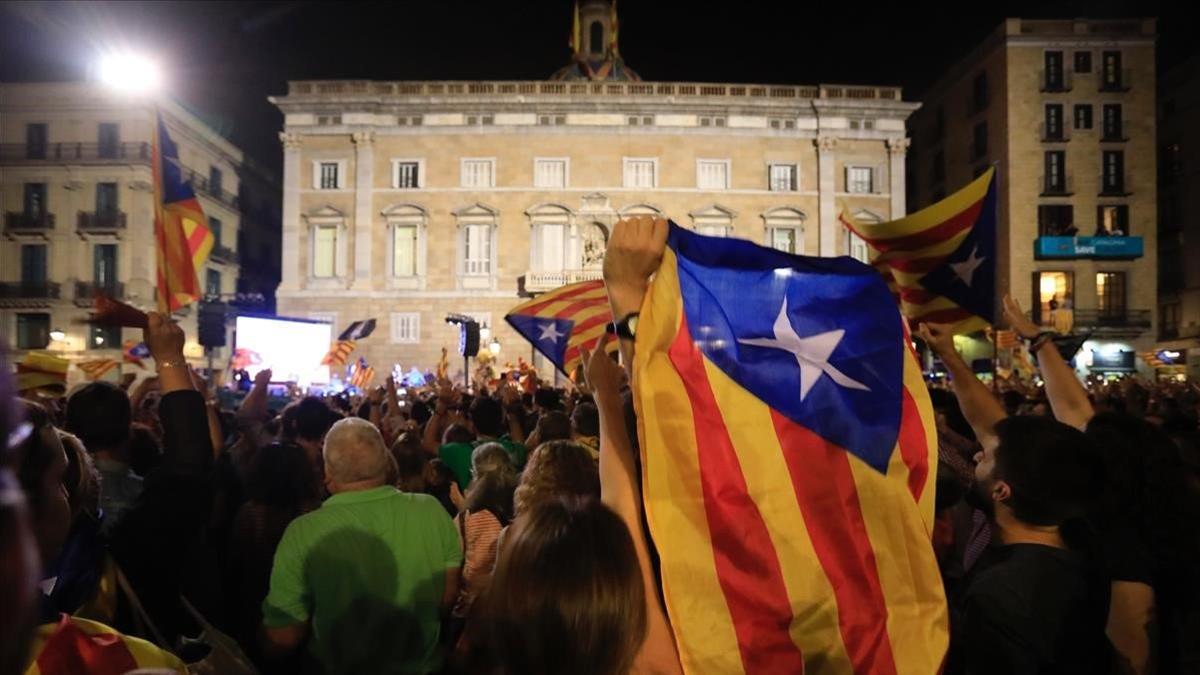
(211, 321)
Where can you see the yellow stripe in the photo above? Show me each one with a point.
(814, 628)
(932, 215)
(559, 305)
(671, 482)
(553, 294)
(942, 248)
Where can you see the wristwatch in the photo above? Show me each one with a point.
(626, 327)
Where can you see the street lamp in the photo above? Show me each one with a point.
(494, 347)
(57, 335)
(129, 72)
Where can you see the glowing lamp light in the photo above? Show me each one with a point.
(57, 335)
(132, 73)
(494, 347)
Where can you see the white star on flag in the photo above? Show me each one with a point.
(965, 270)
(550, 332)
(812, 353)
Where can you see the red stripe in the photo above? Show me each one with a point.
(917, 296)
(581, 327)
(573, 350)
(916, 265)
(571, 309)
(933, 235)
(746, 563)
(71, 650)
(585, 288)
(828, 498)
(914, 449)
(196, 239)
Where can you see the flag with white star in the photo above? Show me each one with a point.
(940, 262)
(562, 321)
(788, 453)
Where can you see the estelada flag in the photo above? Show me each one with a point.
(74, 645)
(183, 240)
(96, 368)
(134, 352)
(558, 323)
(940, 262)
(788, 463)
(338, 353)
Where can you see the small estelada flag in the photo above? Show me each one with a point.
(363, 374)
(95, 369)
(564, 320)
(134, 352)
(338, 353)
(358, 330)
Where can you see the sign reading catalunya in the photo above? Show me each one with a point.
(1089, 247)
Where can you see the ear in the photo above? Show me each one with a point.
(1001, 491)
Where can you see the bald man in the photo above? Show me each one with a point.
(367, 576)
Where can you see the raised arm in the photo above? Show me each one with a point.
(1067, 396)
(981, 409)
(634, 252)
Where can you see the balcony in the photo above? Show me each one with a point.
(29, 223)
(74, 153)
(99, 222)
(1056, 186)
(21, 294)
(224, 254)
(1055, 81)
(540, 282)
(1074, 248)
(1120, 84)
(200, 183)
(86, 292)
(1112, 320)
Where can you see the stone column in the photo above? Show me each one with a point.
(289, 268)
(827, 239)
(364, 169)
(897, 149)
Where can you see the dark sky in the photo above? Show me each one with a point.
(225, 58)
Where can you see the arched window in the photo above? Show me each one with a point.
(597, 37)
(785, 229)
(714, 221)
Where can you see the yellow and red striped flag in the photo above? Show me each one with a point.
(940, 262)
(338, 353)
(75, 645)
(788, 461)
(558, 323)
(363, 374)
(1152, 359)
(95, 369)
(1006, 339)
(180, 230)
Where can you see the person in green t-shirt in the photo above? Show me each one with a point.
(368, 576)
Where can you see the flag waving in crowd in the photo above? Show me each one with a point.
(338, 353)
(788, 449)
(361, 374)
(134, 352)
(940, 262)
(180, 230)
(562, 321)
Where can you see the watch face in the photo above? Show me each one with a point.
(632, 323)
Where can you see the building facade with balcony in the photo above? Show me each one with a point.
(1066, 111)
(77, 197)
(406, 201)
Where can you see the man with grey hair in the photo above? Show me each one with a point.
(369, 574)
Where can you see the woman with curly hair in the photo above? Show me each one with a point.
(557, 469)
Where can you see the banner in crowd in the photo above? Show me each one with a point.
(562, 321)
(940, 262)
(789, 460)
(339, 352)
(361, 374)
(183, 240)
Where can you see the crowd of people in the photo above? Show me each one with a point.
(491, 530)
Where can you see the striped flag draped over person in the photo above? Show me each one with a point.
(940, 262)
(183, 240)
(562, 321)
(788, 462)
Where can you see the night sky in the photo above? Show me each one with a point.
(224, 58)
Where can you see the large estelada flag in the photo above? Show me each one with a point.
(788, 455)
(940, 262)
(558, 323)
(183, 240)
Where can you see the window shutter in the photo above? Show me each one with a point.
(316, 175)
(341, 175)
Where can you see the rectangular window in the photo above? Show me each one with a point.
(1114, 127)
(35, 200)
(36, 136)
(1083, 116)
(1054, 71)
(106, 198)
(104, 337)
(784, 239)
(1054, 181)
(406, 327)
(1056, 220)
(104, 266)
(324, 250)
(640, 173)
(33, 265)
(214, 180)
(212, 282)
(404, 251)
(1053, 125)
(1111, 70)
(1114, 172)
(859, 180)
(477, 249)
(550, 173)
(1112, 220)
(1110, 294)
(782, 177)
(1050, 291)
(979, 92)
(979, 141)
(1083, 62)
(712, 174)
(109, 140)
(329, 175)
(33, 331)
(407, 175)
(478, 173)
(214, 225)
(551, 241)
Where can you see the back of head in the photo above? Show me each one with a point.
(1051, 468)
(457, 433)
(488, 416)
(281, 476)
(566, 597)
(99, 413)
(586, 420)
(410, 459)
(355, 453)
(554, 426)
(313, 419)
(547, 399)
(81, 479)
(492, 458)
(144, 449)
(556, 470)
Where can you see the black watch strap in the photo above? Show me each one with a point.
(624, 328)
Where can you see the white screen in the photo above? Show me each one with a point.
(291, 349)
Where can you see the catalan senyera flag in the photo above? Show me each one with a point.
(338, 353)
(940, 262)
(75, 645)
(788, 464)
(96, 368)
(180, 228)
(562, 321)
